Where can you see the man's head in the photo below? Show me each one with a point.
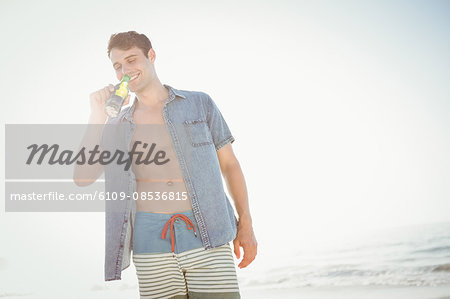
(128, 40)
(132, 53)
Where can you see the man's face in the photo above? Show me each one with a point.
(134, 63)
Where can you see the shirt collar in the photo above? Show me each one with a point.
(173, 94)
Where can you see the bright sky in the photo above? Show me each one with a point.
(339, 109)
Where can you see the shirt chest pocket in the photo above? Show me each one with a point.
(198, 132)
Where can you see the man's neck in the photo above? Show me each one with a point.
(154, 95)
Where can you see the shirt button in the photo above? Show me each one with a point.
(169, 183)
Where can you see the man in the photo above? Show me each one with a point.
(194, 259)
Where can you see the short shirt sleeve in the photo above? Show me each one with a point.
(220, 132)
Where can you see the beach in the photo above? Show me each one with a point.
(349, 293)
(369, 292)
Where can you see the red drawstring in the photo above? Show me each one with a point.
(186, 219)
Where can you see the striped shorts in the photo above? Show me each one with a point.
(167, 268)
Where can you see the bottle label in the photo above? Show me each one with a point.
(122, 91)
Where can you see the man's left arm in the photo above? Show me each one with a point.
(235, 181)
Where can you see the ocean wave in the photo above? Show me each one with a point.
(433, 249)
(399, 259)
(345, 275)
(442, 268)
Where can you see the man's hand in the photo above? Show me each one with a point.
(246, 239)
(98, 100)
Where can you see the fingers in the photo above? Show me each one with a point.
(106, 93)
(237, 250)
(102, 95)
(99, 98)
(249, 255)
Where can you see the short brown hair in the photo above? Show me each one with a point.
(128, 40)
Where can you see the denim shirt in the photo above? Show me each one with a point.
(197, 130)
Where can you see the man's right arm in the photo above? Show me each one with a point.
(86, 174)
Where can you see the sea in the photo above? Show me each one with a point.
(415, 255)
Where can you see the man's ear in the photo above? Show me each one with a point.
(151, 55)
